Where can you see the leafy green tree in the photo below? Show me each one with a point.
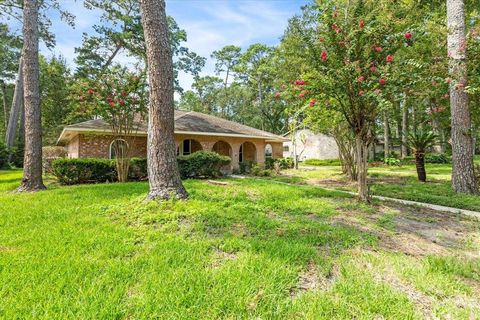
(121, 33)
(10, 47)
(55, 86)
(226, 59)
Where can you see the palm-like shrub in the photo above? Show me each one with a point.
(419, 142)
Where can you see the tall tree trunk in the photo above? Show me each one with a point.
(463, 176)
(32, 163)
(4, 102)
(386, 135)
(21, 131)
(164, 178)
(404, 128)
(17, 105)
(362, 166)
(398, 122)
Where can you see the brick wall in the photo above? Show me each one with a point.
(98, 146)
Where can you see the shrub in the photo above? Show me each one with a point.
(49, 154)
(269, 163)
(16, 156)
(75, 171)
(436, 158)
(392, 161)
(202, 164)
(260, 172)
(138, 169)
(324, 162)
(285, 163)
(3, 156)
(246, 166)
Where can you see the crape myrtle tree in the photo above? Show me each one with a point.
(351, 52)
(294, 98)
(328, 120)
(119, 97)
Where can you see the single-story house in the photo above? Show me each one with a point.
(194, 131)
(311, 145)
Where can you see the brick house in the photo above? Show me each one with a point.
(194, 131)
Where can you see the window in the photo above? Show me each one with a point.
(240, 153)
(118, 147)
(186, 147)
(286, 149)
(268, 151)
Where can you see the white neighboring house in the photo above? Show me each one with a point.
(311, 146)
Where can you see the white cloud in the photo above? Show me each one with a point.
(220, 23)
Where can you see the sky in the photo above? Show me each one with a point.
(210, 25)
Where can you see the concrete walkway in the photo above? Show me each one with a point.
(435, 207)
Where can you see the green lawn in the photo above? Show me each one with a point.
(247, 249)
(392, 181)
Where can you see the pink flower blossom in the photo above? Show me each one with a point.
(373, 68)
(361, 24)
(389, 58)
(382, 81)
(278, 95)
(313, 102)
(324, 56)
(408, 35)
(112, 104)
(378, 49)
(361, 93)
(361, 78)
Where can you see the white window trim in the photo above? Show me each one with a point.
(111, 144)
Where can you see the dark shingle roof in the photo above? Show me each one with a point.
(185, 122)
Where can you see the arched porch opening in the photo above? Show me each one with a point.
(247, 152)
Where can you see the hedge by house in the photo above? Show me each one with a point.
(201, 164)
(76, 171)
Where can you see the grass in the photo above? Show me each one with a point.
(393, 181)
(246, 249)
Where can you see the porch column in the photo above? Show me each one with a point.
(235, 155)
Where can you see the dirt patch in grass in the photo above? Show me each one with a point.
(411, 230)
(220, 257)
(7, 249)
(423, 302)
(309, 280)
(332, 183)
